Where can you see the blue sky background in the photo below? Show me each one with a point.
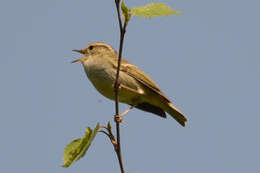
(206, 61)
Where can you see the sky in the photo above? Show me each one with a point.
(206, 61)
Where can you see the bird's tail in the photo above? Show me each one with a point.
(176, 114)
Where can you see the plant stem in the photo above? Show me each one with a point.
(116, 87)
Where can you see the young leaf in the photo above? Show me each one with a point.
(78, 147)
(153, 10)
(125, 11)
(124, 8)
(109, 127)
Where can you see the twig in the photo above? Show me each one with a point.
(116, 87)
(111, 138)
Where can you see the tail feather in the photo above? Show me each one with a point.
(176, 114)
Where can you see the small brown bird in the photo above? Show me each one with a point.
(136, 88)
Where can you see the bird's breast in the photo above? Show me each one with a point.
(103, 75)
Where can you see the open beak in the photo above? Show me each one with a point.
(80, 59)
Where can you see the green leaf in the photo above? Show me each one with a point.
(153, 10)
(109, 127)
(124, 8)
(126, 13)
(78, 147)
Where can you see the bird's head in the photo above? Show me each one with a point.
(93, 49)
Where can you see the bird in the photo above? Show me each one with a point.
(136, 88)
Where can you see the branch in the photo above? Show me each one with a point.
(111, 138)
(116, 86)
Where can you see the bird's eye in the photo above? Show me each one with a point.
(91, 47)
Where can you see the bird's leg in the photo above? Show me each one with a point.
(126, 111)
(119, 118)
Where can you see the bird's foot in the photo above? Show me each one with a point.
(119, 118)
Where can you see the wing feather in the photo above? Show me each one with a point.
(141, 77)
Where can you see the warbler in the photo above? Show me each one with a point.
(135, 87)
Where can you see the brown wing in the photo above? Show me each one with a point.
(141, 77)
